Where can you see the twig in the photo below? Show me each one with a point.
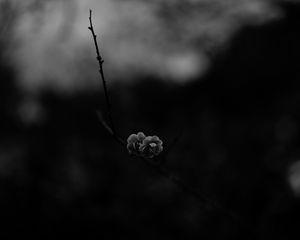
(101, 61)
(110, 131)
(170, 147)
(158, 166)
(206, 201)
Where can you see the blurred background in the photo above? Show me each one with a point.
(224, 73)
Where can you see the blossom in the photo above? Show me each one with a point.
(134, 141)
(152, 146)
(142, 146)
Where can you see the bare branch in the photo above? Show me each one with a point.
(157, 165)
(101, 61)
(109, 130)
(171, 146)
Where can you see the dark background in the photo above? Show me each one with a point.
(66, 177)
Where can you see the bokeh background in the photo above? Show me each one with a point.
(225, 74)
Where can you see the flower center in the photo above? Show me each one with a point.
(152, 144)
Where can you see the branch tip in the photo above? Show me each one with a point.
(100, 61)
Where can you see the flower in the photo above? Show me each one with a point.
(142, 146)
(134, 141)
(152, 146)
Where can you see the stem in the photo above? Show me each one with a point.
(101, 61)
(109, 130)
(158, 167)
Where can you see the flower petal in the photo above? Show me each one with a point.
(147, 140)
(155, 139)
(132, 138)
(141, 136)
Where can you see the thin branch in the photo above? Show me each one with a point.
(101, 61)
(170, 147)
(110, 131)
(175, 180)
(157, 166)
(206, 201)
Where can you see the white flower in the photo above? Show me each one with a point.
(142, 146)
(152, 146)
(134, 141)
